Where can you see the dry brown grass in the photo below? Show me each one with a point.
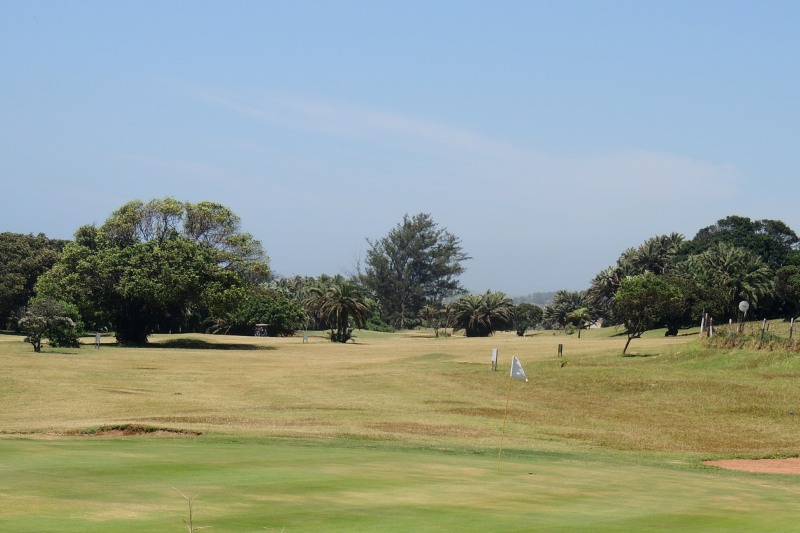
(416, 390)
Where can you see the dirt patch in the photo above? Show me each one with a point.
(767, 466)
(129, 430)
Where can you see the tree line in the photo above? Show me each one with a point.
(171, 266)
(670, 282)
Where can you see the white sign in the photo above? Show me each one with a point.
(494, 355)
(744, 306)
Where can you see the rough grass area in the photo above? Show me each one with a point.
(397, 432)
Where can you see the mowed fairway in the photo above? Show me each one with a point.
(398, 432)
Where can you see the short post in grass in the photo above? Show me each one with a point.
(494, 359)
(763, 330)
(791, 329)
(560, 350)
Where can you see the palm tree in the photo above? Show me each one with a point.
(564, 302)
(600, 294)
(581, 318)
(431, 316)
(336, 305)
(482, 315)
(656, 254)
(742, 274)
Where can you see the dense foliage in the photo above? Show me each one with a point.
(236, 310)
(149, 266)
(733, 260)
(526, 316)
(173, 266)
(415, 264)
(557, 314)
(23, 258)
(644, 302)
(482, 315)
(54, 320)
(341, 304)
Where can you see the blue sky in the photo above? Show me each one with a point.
(548, 136)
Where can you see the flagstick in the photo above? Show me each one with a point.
(505, 418)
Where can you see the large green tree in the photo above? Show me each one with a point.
(23, 258)
(658, 254)
(149, 264)
(645, 302)
(526, 316)
(416, 263)
(771, 240)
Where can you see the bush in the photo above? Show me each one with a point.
(55, 320)
(64, 337)
(379, 325)
(345, 336)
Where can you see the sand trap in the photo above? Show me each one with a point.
(767, 466)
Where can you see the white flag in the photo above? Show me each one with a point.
(516, 369)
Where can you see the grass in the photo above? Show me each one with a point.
(396, 432)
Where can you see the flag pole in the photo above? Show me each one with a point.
(505, 419)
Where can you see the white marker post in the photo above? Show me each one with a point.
(494, 359)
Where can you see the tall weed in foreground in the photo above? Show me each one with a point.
(189, 519)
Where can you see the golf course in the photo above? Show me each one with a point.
(396, 432)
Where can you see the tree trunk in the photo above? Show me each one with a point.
(626, 344)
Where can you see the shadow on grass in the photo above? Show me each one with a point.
(199, 344)
(640, 355)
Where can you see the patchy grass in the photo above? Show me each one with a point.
(397, 432)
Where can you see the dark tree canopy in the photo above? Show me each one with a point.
(236, 310)
(737, 258)
(23, 258)
(415, 264)
(787, 287)
(772, 240)
(526, 316)
(146, 267)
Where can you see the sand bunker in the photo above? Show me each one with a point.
(767, 466)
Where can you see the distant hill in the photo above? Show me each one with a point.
(538, 298)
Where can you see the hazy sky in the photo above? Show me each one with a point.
(548, 136)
